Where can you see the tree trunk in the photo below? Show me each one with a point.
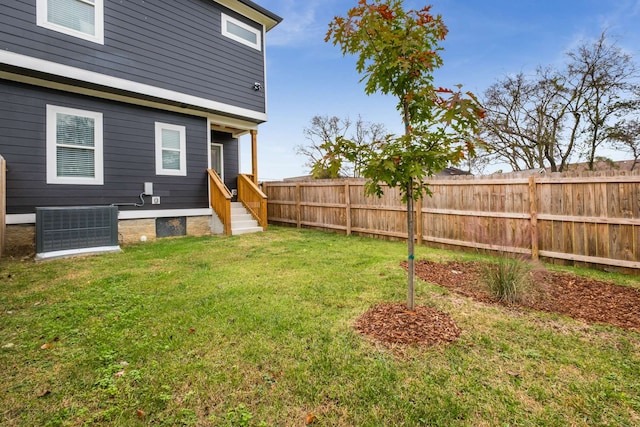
(410, 246)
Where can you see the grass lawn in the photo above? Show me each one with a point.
(256, 330)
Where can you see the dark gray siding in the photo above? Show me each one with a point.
(230, 157)
(129, 153)
(176, 45)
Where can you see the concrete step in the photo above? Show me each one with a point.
(242, 222)
(237, 231)
(241, 217)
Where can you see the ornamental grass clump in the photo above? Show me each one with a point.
(508, 280)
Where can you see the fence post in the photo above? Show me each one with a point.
(533, 210)
(347, 200)
(298, 204)
(419, 220)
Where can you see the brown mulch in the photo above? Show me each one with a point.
(579, 297)
(590, 300)
(395, 324)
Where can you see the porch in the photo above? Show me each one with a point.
(248, 214)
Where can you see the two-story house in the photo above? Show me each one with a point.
(135, 106)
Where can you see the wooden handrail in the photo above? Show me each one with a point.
(253, 199)
(220, 199)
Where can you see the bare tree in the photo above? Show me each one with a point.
(525, 118)
(607, 73)
(626, 136)
(326, 135)
(553, 117)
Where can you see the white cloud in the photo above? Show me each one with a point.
(300, 22)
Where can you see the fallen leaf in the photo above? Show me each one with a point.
(192, 330)
(46, 346)
(311, 418)
(140, 413)
(44, 393)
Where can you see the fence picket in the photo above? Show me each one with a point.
(592, 218)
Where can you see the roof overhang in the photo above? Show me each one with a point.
(40, 72)
(253, 11)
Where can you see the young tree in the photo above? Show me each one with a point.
(397, 53)
(326, 134)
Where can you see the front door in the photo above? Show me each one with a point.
(217, 163)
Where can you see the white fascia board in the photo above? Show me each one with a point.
(17, 219)
(249, 12)
(164, 213)
(92, 77)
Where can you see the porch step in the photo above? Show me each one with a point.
(242, 221)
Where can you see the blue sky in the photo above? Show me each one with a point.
(487, 40)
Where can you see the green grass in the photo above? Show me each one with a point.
(256, 330)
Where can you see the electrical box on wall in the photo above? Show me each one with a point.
(148, 188)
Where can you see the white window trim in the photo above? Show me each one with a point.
(217, 144)
(98, 157)
(258, 33)
(183, 149)
(98, 37)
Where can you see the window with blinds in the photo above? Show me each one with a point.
(79, 18)
(74, 146)
(241, 32)
(171, 156)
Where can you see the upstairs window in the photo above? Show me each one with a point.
(171, 152)
(74, 146)
(78, 18)
(241, 32)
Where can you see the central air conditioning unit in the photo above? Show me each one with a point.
(67, 231)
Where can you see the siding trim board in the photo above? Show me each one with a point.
(130, 87)
(252, 11)
(19, 219)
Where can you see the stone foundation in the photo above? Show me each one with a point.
(20, 240)
(136, 230)
(140, 230)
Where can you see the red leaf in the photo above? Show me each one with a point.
(311, 418)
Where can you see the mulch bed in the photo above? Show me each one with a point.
(579, 297)
(590, 300)
(395, 324)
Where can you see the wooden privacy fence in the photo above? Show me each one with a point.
(585, 219)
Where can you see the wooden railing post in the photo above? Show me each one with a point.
(220, 200)
(254, 155)
(533, 211)
(253, 198)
